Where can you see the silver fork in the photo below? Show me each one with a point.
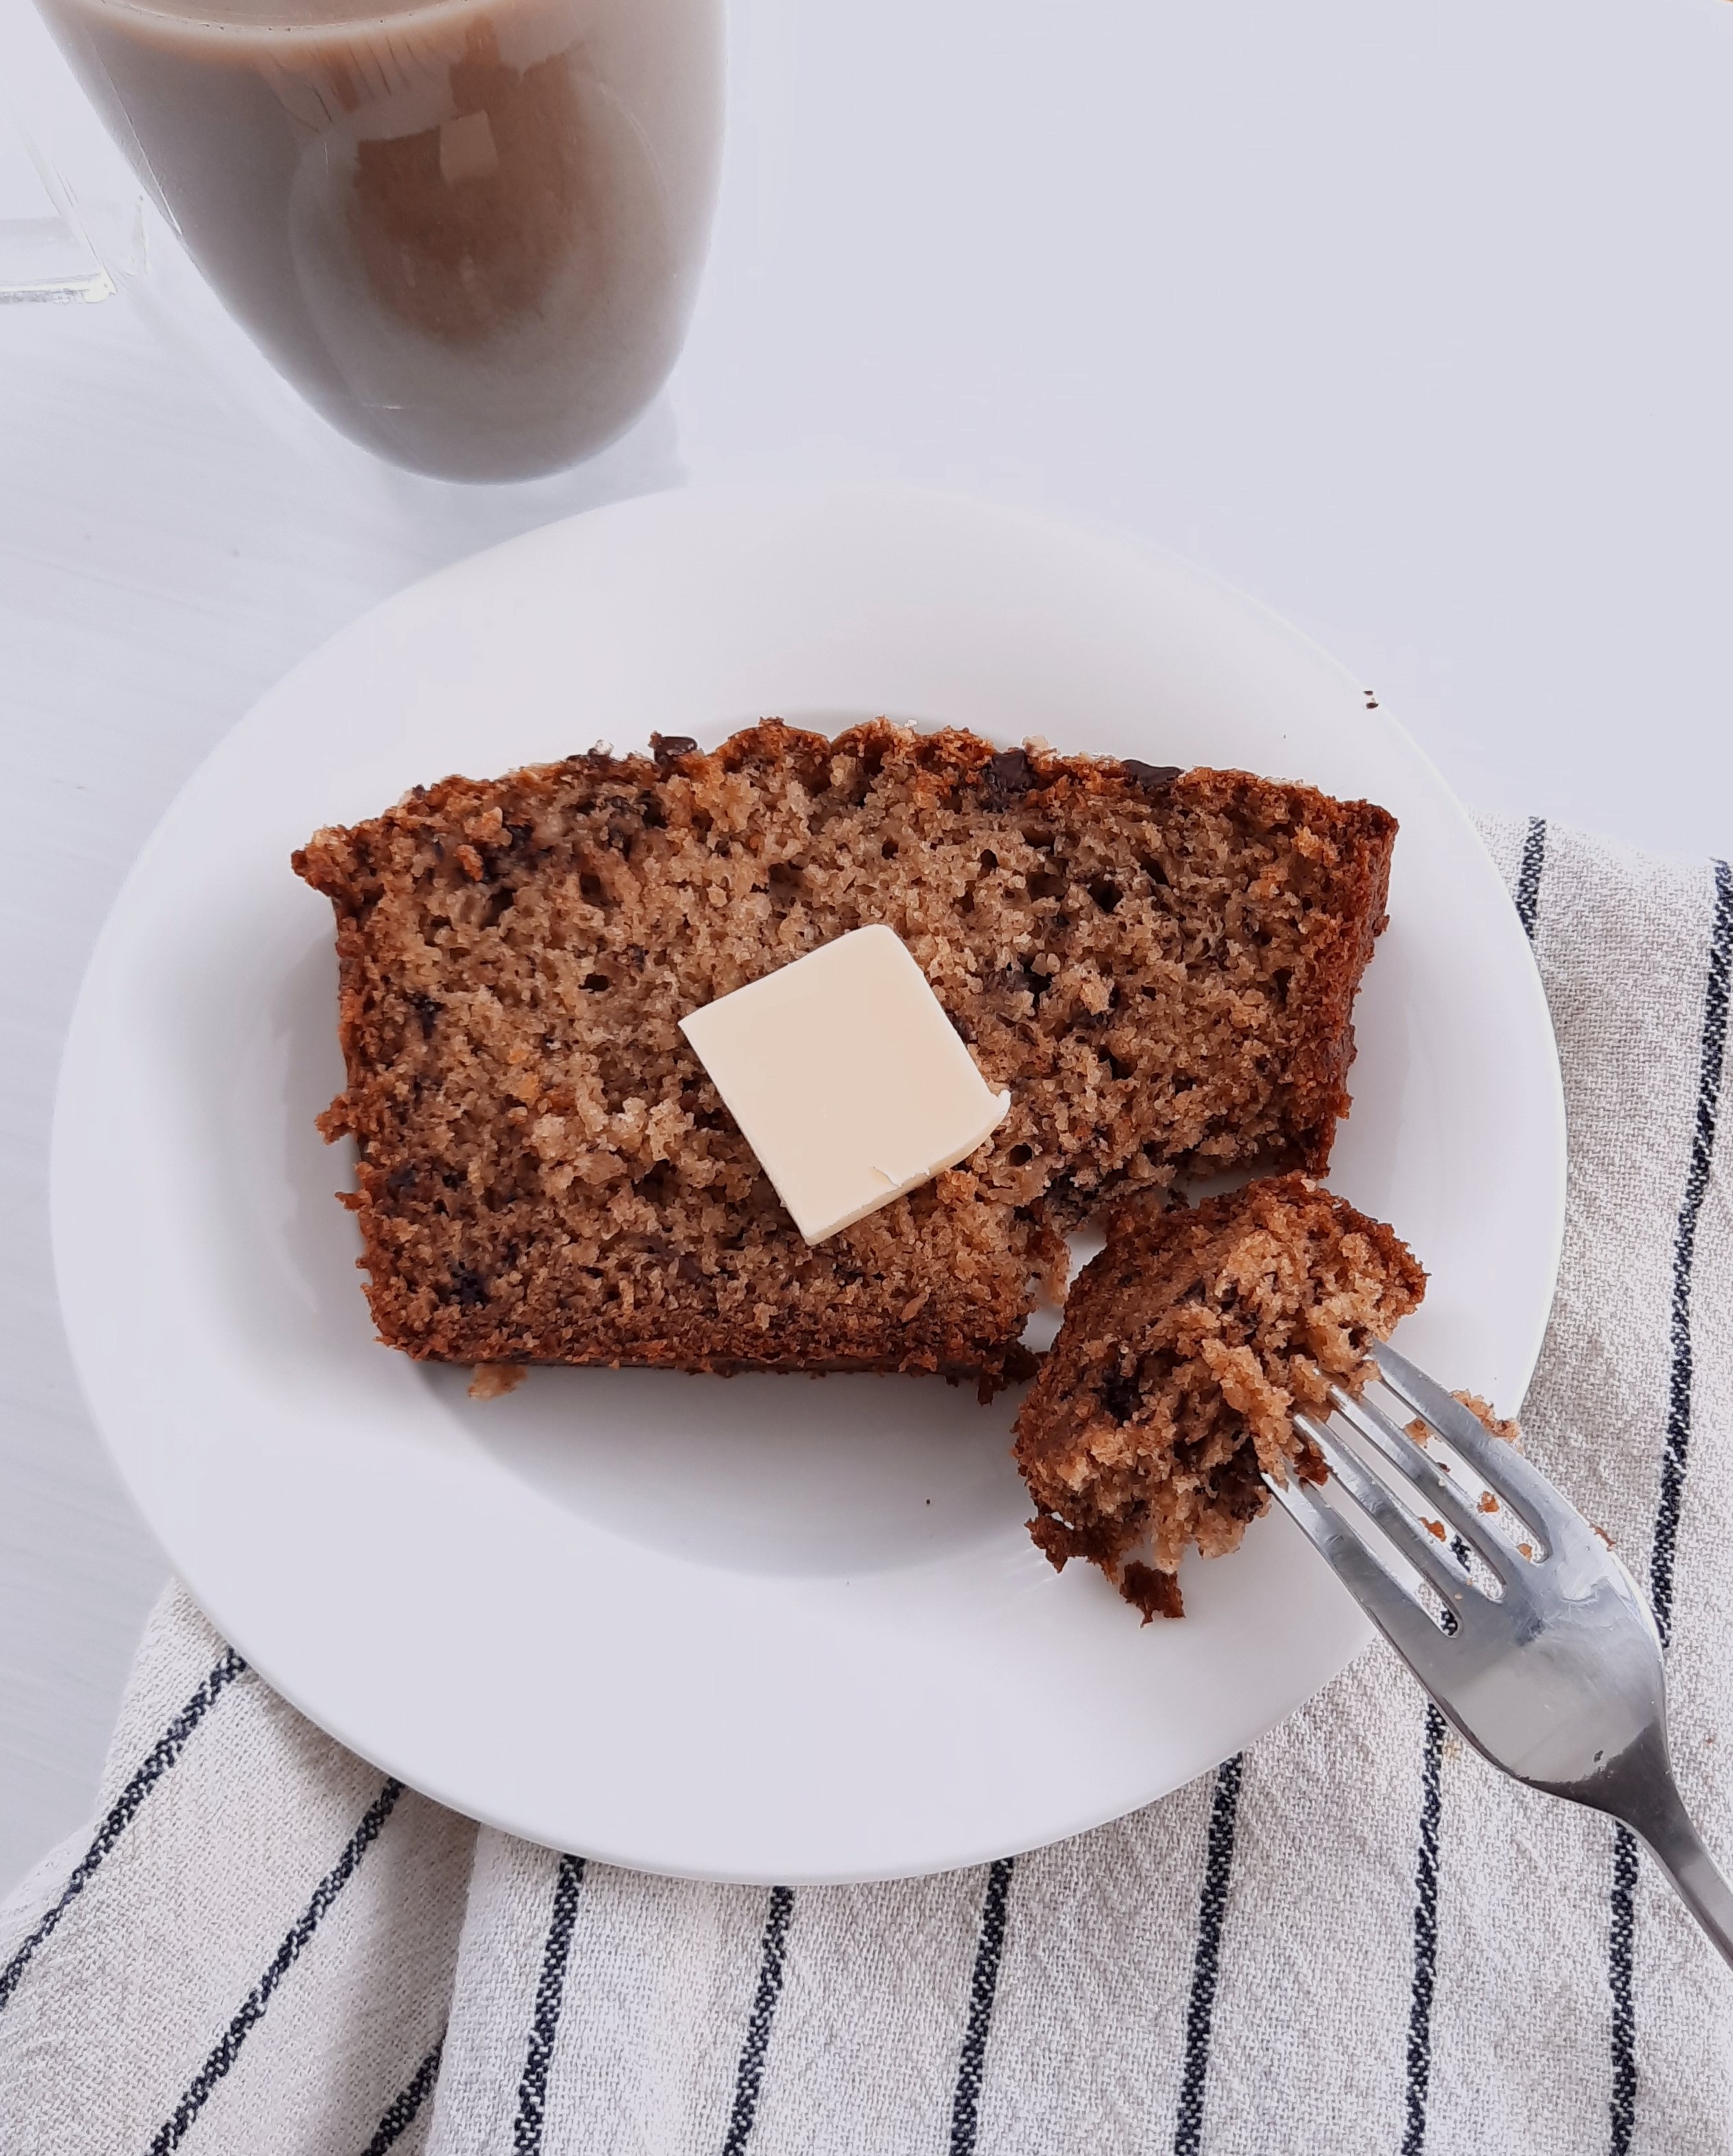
(1556, 1674)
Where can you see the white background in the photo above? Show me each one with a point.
(1417, 322)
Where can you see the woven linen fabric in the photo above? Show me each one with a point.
(1355, 1937)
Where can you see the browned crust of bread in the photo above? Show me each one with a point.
(1186, 1348)
(1161, 966)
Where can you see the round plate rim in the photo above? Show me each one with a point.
(72, 1226)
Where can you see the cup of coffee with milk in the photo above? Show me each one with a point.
(469, 232)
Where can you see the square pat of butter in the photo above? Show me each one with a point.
(846, 1078)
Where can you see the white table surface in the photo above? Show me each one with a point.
(1416, 322)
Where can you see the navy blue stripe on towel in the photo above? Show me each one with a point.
(251, 2011)
(1206, 1959)
(1529, 874)
(1531, 868)
(983, 1989)
(1711, 1058)
(1426, 1934)
(156, 1762)
(1621, 1970)
(1675, 1458)
(749, 2074)
(1426, 1909)
(400, 2114)
(545, 2022)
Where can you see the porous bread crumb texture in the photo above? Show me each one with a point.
(1160, 966)
(492, 1381)
(1186, 1346)
(1496, 1425)
(1505, 1426)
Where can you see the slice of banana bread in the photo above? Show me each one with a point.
(1186, 1347)
(1160, 965)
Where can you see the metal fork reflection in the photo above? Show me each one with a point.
(1537, 1645)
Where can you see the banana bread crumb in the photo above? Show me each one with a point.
(1160, 966)
(1185, 1349)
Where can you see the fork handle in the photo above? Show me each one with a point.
(1665, 1826)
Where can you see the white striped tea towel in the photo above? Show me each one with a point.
(1354, 1939)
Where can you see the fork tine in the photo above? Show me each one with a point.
(1499, 1466)
(1395, 1612)
(1429, 1481)
(1561, 1685)
(1425, 1552)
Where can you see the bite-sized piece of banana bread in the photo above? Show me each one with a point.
(1160, 965)
(1186, 1346)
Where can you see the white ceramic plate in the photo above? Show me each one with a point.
(766, 1628)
